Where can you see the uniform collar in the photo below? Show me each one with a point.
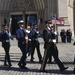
(48, 28)
(21, 28)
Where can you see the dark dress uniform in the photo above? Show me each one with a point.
(53, 37)
(35, 44)
(20, 35)
(5, 39)
(50, 50)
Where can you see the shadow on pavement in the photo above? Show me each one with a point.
(34, 70)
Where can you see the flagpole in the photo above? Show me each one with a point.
(27, 28)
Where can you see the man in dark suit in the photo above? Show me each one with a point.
(5, 39)
(21, 37)
(64, 36)
(50, 49)
(68, 35)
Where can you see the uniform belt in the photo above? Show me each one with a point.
(7, 40)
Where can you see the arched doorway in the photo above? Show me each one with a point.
(27, 8)
(12, 8)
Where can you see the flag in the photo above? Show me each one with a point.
(61, 20)
(58, 21)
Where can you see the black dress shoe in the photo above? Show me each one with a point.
(40, 61)
(63, 69)
(9, 65)
(43, 71)
(31, 60)
(50, 62)
(23, 67)
(5, 65)
(19, 65)
(26, 68)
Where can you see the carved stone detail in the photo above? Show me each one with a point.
(23, 5)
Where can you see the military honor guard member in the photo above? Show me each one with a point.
(35, 43)
(21, 37)
(5, 39)
(50, 49)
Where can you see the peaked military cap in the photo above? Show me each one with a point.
(49, 22)
(21, 22)
(5, 25)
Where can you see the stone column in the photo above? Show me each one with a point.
(1, 20)
(51, 8)
(71, 18)
(39, 17)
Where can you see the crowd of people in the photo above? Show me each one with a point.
(66, 36)
(28, 41)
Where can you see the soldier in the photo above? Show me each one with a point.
(35, 43)
(50, 50)
(21, 37)
(50, 28)
(5, 39)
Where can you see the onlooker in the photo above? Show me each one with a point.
(69, 35)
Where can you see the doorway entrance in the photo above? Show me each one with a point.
(15, 18)
(32, 19)
(14, 23)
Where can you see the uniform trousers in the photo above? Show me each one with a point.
(50, 57)
(23, 57)
(51, 51)
(6, 47)
(35, 44)
(68, 39)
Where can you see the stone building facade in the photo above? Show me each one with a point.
(42, 9)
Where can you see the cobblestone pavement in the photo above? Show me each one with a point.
(66, 55)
